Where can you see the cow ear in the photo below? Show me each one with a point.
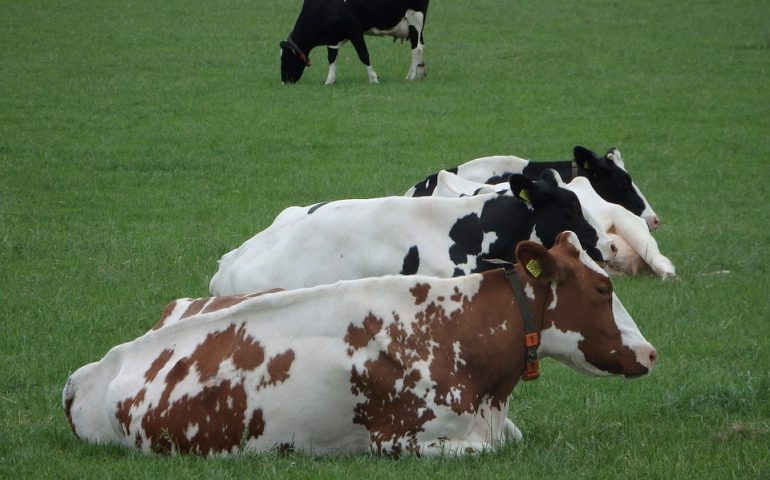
(522, 187)
(586, 159)
(536, 260)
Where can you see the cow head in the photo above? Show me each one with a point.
(556, 210)
(584, 324)
(293, 61)
(609, 178)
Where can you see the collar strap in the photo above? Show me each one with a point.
(531, 335)
(298, 51)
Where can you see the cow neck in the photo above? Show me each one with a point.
(531, 326)
(301, 52)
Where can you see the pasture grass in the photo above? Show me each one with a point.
(139, 141)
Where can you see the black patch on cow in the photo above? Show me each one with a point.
(411, 261)
(316, 207)
(507, 217)
(611, 182)
(534, 170)
(552, 211)
(426, 187)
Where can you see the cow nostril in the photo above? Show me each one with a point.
(654, 222)
(653, 357)
(614, 249)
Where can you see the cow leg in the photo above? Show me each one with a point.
(448, 448)
(357, 39)
(635, 232)
(416, 22)
(331, 54)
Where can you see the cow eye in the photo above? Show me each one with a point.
(604, 290)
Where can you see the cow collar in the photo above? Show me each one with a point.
(298, 51)
(531, 333)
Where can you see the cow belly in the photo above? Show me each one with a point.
(400, 30)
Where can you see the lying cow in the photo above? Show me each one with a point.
(396, 364)
(636, 250)
(441, 237)
(607, 175)
(333, 22)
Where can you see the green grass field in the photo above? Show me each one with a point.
(139, 141)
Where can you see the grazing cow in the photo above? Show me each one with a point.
(390, 365)
(333, 22)
(607, 175)
(636, 250)
(441, 237)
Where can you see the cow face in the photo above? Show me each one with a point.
(585, 326)
(556, 210)
(293, 63)
(609, 178)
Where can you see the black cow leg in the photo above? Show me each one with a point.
(331, 54)
(363, 54)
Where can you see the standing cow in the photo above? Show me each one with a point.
(395, 364)
(607, 174)
(441, 237)
(334, 22)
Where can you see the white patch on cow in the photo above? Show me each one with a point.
(487, 241)
(563, 346)
(481, 169)
(552, 305)
(630, 334)
(191, 431)
(457, 359)
(587, 261)
(529, 291)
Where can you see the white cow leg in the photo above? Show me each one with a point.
(634, 230)
(371, 74)
(417, 68)
(331, 53)
(416, 22)
(331, 77)
(511, 431)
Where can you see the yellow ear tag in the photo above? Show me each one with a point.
(524, 195)
(586, 165)
(533, 267)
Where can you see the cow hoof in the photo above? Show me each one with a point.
(374, 80)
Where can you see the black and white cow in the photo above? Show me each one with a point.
(607, 174)
(440, 237)
(334, 22)
(636, 250)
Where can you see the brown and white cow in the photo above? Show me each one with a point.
(395, 364)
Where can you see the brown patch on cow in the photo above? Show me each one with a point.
(256, 424)
(166, 312)
(457, 296)
(219, 303)
(278, 367)
(216, 419)
(158, 364)
(359, 337)
(420, 292)
(472, 360)
(211, 421)
(68, 412)
(123, 410)
(195, 307)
